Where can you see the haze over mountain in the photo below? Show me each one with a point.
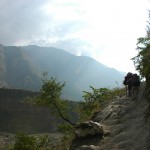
(22, 67)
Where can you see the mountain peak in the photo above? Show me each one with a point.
(24, 66)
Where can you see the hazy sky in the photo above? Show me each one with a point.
(106, 30)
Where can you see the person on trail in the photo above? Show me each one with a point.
(132, 83)
(135, 84)
(127, 83)
(135, 80)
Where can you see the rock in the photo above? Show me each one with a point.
(106, 113)
(89, 128)
(122, 124)
(91, 147)
(84, 133)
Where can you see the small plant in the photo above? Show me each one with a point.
(23, 141)
(96, 100)
(93, 101)
(66, 128)
(118, 92)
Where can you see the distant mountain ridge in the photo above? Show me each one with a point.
(22, 67)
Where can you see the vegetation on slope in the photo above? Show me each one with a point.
(142, 60)
(50, 97)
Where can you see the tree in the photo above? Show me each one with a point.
(93, 101)
(50, 97)
(142, 60)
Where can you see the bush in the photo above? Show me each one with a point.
(95, 100)
(23, 141)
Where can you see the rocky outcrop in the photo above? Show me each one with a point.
(124, 126)
(88, 128)
(84, 132)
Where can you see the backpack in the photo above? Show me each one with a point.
(127, 79)
(135, 80)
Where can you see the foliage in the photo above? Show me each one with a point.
(23, 141)
(142, 60)
(93, 101)
(66, 128)
(26, 142)
(118, 92)
(50, 97)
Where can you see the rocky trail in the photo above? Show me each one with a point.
(124, 127)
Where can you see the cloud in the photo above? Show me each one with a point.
(95, 28)
(21, 21)
(26, 21)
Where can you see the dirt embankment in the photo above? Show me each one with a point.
(125, 125)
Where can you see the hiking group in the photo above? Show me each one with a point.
(132, 83)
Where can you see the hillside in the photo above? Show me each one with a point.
(125, 126)
(15, 115)
(22, 67)
(17, 70)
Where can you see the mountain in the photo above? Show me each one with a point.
(22, 67)
(17, 70)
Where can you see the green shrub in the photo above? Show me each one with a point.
(95, 100)
(24, 142)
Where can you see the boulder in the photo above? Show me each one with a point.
(89, 128)
(90, 147)
(86, 134)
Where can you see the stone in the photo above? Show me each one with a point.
(89, 128)
(84, 133)
(90, 147)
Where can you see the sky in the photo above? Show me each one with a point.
(106, 30)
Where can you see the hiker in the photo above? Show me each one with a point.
(135, 80)
(135, 83)
(132, 83)
(127, 83)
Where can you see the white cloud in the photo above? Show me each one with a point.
(103, 29)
